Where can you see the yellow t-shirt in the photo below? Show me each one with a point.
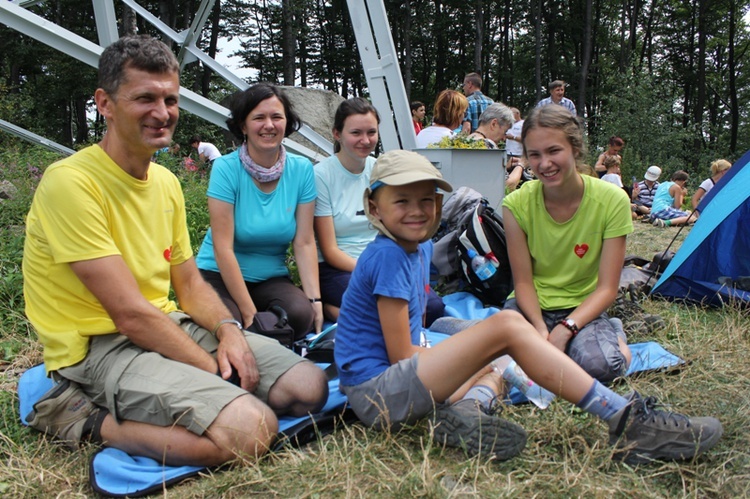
(87, 207)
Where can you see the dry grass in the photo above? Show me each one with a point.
(567, 454)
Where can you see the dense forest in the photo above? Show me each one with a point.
(669, 76)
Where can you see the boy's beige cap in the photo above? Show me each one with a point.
(400, 167)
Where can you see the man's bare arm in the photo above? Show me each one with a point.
(112, 283)
(199, 300)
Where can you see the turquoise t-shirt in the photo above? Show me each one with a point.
(662, 199)
(565, 256)
(340, 197)
(264, 223)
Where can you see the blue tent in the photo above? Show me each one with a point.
(717, 246)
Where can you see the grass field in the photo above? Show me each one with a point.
(567, 453)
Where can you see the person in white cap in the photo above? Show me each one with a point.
(643, 192)
(391, 379)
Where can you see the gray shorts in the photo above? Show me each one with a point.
(138, 385)
(393, 398)
(595, 348)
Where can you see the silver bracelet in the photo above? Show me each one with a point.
(225, 321)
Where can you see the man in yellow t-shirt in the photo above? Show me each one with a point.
(106, 239)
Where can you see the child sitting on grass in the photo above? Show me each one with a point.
(667, 208)
(391, 380)
(566, 236)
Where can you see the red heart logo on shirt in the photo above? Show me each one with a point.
(581, 249)
(168, 254)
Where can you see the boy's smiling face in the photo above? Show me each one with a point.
(407, 211)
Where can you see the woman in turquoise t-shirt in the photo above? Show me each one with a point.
(260, 199)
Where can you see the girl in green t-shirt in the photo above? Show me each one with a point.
(566, 239)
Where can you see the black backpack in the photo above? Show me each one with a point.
(457, 210)
(485, 234)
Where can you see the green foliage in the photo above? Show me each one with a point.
(21, 166)
(643, 113)
(460, 141)
(194, 186)
(677, 69)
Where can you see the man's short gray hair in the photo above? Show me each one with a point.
(499, 112)
(140, 52)
(556, 84)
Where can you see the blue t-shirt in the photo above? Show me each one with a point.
(383, 269)
(264, 223)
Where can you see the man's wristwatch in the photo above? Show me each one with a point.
(570, 325)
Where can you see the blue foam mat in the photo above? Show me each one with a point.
(117, 474)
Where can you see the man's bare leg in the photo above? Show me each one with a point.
(244, 428)
(301, 390)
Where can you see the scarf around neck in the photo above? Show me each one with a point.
(260, 173)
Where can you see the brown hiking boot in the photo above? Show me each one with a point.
(641, 433)
(68, 414)
(478, 431)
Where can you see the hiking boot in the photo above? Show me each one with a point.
(654, 322)
(478, 431)
(68, 414)
(658, 222)
(642, 433)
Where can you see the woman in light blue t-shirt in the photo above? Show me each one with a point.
(341, 226)
(260, 199)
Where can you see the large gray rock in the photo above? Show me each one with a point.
(316, 108)
(7, 190)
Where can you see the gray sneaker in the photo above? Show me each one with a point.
(642, 433)
(469, 426)
(68, 414)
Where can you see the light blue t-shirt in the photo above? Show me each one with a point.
(340, 197)
(383, 269)
(662, 199)
(264, 223)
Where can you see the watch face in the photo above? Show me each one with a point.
(570, 324)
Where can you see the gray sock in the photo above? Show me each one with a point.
(602, 402)
(481, 393)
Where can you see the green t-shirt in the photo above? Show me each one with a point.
(565, 256)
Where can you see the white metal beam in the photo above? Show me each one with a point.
(34, 138)
(16, 17)
(382, 72)
(106, 22)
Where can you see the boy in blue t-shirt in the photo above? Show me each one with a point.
(391, 380)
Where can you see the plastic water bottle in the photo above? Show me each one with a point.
(513, 374)
(481, 266)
